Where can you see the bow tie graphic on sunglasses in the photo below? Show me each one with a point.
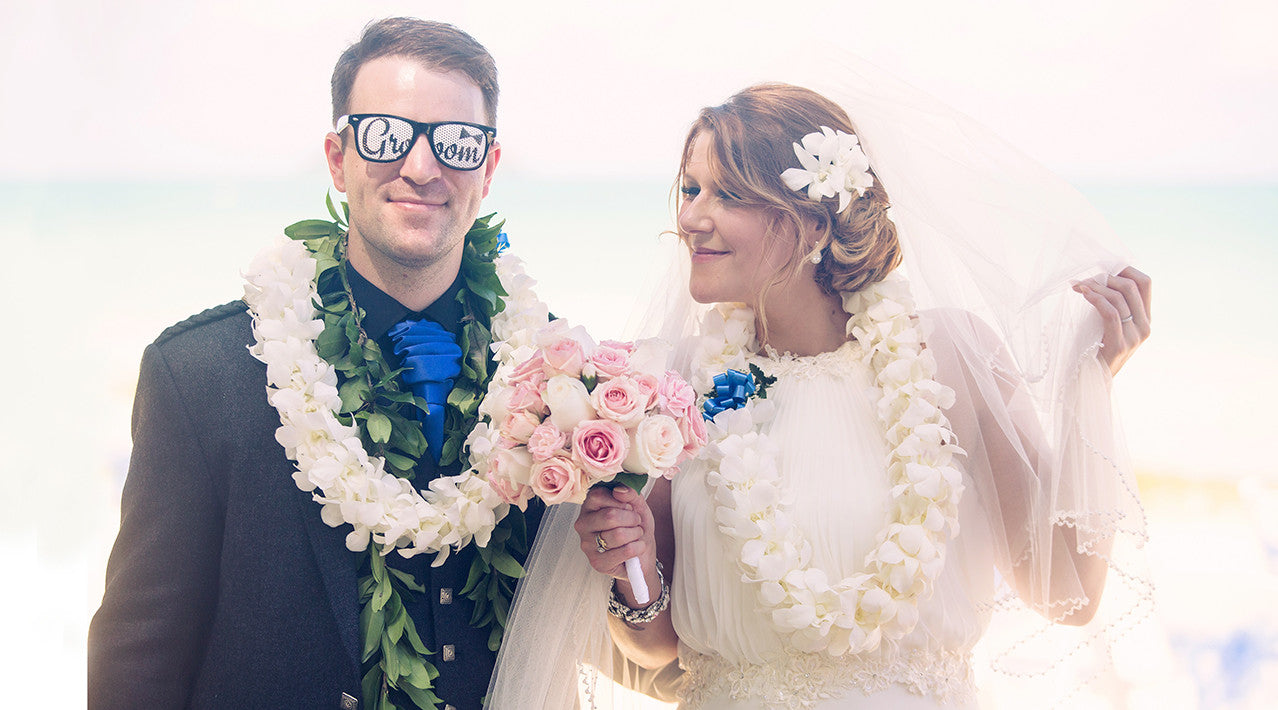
(382, 138)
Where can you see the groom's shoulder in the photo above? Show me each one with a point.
(214, 332)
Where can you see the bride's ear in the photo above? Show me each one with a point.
(811, 233)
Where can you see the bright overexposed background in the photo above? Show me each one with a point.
(150, 148)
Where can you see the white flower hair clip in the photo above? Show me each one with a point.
(833, 164)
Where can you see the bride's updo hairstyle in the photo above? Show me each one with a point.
(751, 138)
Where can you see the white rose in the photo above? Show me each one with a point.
(496, 405)
(569, 402)
(650, 355)
(514, 464)
(655, 445)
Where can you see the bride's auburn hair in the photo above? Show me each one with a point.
(751, 137)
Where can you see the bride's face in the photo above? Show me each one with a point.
(733, 257)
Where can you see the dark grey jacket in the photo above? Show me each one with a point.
(225, 589)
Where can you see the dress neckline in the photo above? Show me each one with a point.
(839, 361)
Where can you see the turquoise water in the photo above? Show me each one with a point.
(139, 256)
(131, 258)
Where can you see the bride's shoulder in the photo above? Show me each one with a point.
(963, 342)
(955, 326)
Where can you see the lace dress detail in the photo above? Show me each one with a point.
(801, 680)
(839, 363)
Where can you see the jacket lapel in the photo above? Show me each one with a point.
(337, 568)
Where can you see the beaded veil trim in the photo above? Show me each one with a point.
(801, 680)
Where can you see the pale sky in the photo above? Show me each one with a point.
(1174, 90)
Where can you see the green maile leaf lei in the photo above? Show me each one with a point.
(373, 399)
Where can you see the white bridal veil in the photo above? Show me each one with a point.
(992, 244)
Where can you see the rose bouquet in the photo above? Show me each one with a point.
(564, 414)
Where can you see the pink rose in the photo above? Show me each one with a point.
(599, 446)
(546, 441)
(676, 395)
(558, 480)
(648, 385)
(513, 493)
(505, 442)
(621, 400)
(531, 372)
(655, 446)
(564, 357)
(519, 426)
(526, 398)
(693, 429)
(610, 360)
(622, 345)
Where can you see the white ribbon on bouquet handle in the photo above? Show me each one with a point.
(634, 573)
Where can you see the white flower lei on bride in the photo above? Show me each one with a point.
(351, 485)
(751, 496)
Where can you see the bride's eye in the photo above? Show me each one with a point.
(689, 191)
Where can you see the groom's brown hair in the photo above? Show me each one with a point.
(438, 46)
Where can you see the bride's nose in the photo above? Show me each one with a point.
(694, 218)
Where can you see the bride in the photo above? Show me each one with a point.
(907, 431)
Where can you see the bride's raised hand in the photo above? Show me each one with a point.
(1123, 304)
(615, 525)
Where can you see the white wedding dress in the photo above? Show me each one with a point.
(833, 455)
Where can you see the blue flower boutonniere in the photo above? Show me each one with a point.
(733, 388)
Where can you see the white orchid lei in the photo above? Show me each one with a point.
(833, 164)
(324, 425)
(352, 486)
(752, 498)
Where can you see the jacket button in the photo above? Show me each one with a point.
(448, 653)
(349, 702)
(446, 595)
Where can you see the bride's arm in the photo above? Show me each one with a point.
(1066, 587)
(631, 526)
(1044, 493)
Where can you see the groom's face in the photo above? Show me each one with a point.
(413, 212)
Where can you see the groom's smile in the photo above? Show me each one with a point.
(411, 214)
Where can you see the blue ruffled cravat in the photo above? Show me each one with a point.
(433, 359)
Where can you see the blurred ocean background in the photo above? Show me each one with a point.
(97, 269)
(153, 146)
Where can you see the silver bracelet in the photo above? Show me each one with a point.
(619, 609)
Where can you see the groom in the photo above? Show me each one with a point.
(225, 588)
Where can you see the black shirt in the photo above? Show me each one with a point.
(442, 615)
(381, 313)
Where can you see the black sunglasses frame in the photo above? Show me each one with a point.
(419, 129)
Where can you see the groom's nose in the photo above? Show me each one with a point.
(420, 166)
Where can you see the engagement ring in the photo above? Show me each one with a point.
(600, 545)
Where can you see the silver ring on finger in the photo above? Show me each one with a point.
(1126, 320)
(600, 546)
